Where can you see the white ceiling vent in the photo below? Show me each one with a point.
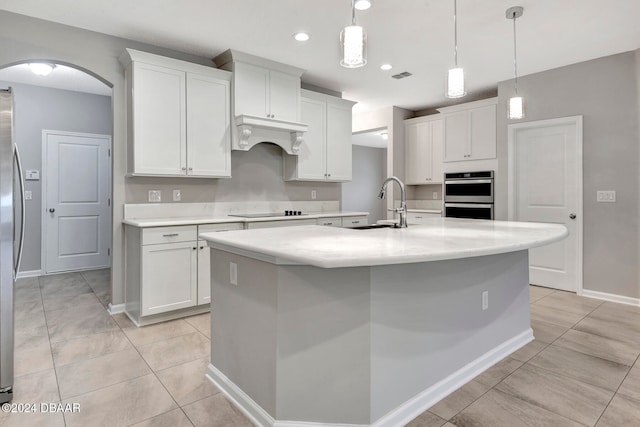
(402, 75)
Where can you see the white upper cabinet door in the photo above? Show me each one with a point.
(208, 126)
(159, 123)
(456, 136)
(417, 158)
(311, 160)
(251, 90)
(437, 146)
(482, 132)
(284, 96)
(339, 147)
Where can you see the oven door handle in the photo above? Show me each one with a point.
(468, 205)
(469, 181)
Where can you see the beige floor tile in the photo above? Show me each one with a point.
(87, 320)
(564, 396)
(186, 382)
(69, 288)
(588, 369)
(427, 419)
(121, 404)
(554, 315)
(631, 385)
(625, 318)
(28, 282)
(497, 409)
(610, 329)
(33, 326)
(537, 292)
(37, 419)
(158, 332)
(528, 351)
(598, 346)
(621, 307)
(201, 322)
(103, 274)
(74, 350)
(123, 320)
(102, 371)
(27, 294)
(569, 302)
(175, 418)
(67, 302)
(37, 387)
(81, 313)
(32, 354)
(61, 280)
(26, 309)
(459, 399)
(215, 411)
(546, 332)
(174, 351)
(622, 411)
(498, 372)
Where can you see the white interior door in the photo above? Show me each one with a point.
(545, 185)
(77, 215)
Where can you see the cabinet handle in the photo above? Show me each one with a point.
(201, 247)
(184, 168)
(195, 248)
(355, 222)
(190, 169)
(170, 235)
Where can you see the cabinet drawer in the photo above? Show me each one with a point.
(282, 223)
(212, 228)
(354, 221)
(420, 217)
(330, 222)
(158, 235)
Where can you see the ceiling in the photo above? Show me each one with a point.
(370, 138)
(413, 35)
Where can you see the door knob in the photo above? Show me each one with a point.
(52, 210)
(572, 216)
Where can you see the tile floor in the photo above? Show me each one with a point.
(582, 368)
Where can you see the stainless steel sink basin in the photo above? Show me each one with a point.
(373, 226)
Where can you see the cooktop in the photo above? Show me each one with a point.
(268, 214)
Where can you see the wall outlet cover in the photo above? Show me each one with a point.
(155, 195)
(233, 273)
(608, 196)
(177, 195)
(314, 194)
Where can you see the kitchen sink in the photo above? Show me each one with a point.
(372, 226)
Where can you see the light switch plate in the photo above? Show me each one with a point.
(177, 195)
(233, 273)
(608, 196)
(314, 194)
(155, 196)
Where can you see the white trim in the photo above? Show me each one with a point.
(115, 308)
(401, 415)
(511, 201)
(621, 299)
(32, 273)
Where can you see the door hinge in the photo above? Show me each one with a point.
(108, 251)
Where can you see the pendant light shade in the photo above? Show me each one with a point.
(353, 43)
(455, 76)
(516, 102)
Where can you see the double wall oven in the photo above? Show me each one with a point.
(468, 195)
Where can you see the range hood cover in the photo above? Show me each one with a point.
(252, 130)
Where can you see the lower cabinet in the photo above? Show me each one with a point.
(420, 217)
(345, 222)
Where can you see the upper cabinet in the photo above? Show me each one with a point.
(326, 152)
(470, 131)
(178, 117)
(424, 140)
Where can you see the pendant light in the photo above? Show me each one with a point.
(516, 103)
(455, 76)
(41, 68)
(353, 43)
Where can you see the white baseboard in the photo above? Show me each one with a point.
(400, 416)
(32, 273)
(116, 308)
(611, 297)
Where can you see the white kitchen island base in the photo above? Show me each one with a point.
(300, 345)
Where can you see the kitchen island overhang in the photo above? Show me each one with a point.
(334, 336)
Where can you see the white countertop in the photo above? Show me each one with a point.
(197, 220)
(438, 239)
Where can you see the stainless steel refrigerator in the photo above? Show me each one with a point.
(11, 238)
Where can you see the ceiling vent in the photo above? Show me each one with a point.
(401, 75)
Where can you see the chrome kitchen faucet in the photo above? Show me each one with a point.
(402, 210)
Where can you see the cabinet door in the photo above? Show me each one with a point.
(159, 133)
(208, 131)
(204, 273)
(436, 129)
(338, 143)
(456, 137)
(169, 277)
(482, 123)
(251, 90)
(418, 153)
(311, 160)
(284, 96)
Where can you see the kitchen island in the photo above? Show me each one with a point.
(335, 326)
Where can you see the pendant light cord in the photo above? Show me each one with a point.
(515, 55)
(455, 33)
(353, 12)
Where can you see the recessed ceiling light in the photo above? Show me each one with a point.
(384, 135)
(363, 4)
(301, 36)
(386, 67)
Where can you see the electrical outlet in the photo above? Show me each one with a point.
(233, 273)
(177, 195)
(155, 195)
(485, 300)
(435, 195)
(28, 195)
(314, 194)
(606, 196)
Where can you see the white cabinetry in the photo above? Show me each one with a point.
(178, 117)
(325, 154)
(470, 131)
(424, 139)
(421, 217)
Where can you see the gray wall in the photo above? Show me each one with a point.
(605, 92)
(38, 108)
(369, 171)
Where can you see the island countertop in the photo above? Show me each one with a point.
(436, 240)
